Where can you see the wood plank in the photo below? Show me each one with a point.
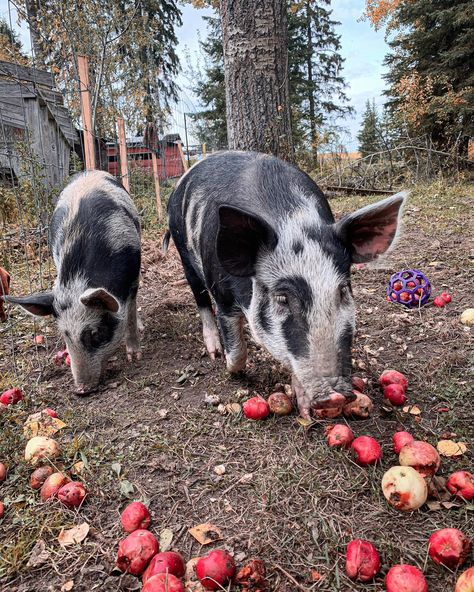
(16, 72)
(156, 178)
(123, 153)
(89, 149)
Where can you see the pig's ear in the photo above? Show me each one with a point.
(40, 305)
(370, 231)
(240, 237)
(101, 299)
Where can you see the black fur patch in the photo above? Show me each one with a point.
(297, 247)
(298, 291)
(262, 312)
(295, 331)
(92, 338)
(345, 350)
(312, 233)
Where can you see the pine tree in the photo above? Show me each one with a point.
(10, 45)
(315, 63)
(431, 69)
(370, 132)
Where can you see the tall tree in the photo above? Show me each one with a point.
(316, 81)
(431, 67)
(10, 45)
(370, 132)
(255, 40)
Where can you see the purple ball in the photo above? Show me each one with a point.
(409, 287)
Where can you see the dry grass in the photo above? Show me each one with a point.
(303, 501)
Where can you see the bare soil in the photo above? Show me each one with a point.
(285, 496)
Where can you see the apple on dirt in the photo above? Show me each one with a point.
(215, 569)
(280, 403)
(449, 547)
(393, 377)
(367, 450)
(395, 393)
(256, 408)
(52, 485)
(358, 384)
(421, 456)
(135, 516)
(39, 476)
(405, 578)
(11, 396)
(72, 494)
(163, 582)
(400, 439)
(41, 447)
(136, 551)
(2, 510)
(465, 581)
(3, 472)
(361, 406)
(339, 436)
(404, 488)
(166, 562)
(461, 484)
(362, 561)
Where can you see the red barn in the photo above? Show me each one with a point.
(139, 156)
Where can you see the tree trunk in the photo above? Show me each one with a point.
(312, 109)
(255, 38)
(32, 18)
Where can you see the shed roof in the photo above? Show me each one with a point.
(20, 83)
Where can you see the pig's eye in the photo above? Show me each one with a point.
(281, 299)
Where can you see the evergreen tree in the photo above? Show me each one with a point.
(370, 132)
(431, 69)
(10, 45)
(315, 63)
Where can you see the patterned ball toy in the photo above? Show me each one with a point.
(409, 287)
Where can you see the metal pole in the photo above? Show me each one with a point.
(186, 136)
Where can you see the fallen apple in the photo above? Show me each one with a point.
(163, 582)
(215, 569)
(51, 412)
(39, 476)
(404, 488)
(72, 494)
(361, 406)
(395, 393)
(328, 412)
(400, 439)
(2, 510)
(135, 516)
(465, 581)
(362, 561)
(136, 551)
(3, 472)
(461, 483)
(256, 408)
(439, 302)
(446, 297)
(165, 562)
(52, 485)
(421, 456)
(405, 578)
(11, 396)
(358, 384)
(41, 447)
(449, 547)
(280, 403)
(339, 436)
(467, 317)
(367, 451)
(392, 377)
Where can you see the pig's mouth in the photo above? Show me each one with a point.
(329, 398)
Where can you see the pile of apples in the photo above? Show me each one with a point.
(139, 555)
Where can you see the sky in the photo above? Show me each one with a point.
(362, 48)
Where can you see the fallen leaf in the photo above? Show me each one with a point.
(74, 535)
(78, 468)
(166, 538)
(434, 506)
(42, 424)
(39, 555)
(413, 410)
(67, 586)
(306, 423)
(219, 469)
(315, 576)
(233, 408)
(116, 468)
(163, 413)
(126, 488)
(451, 448)
(206, 533)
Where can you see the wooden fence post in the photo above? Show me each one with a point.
(89, 151)
(156, 177)
(204, 150)
(123, 153)
(183, 158)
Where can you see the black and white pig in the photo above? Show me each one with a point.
(259, 236)
(95, 242)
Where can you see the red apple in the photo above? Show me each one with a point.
(358, 384)
(135, 516)
(52, 485)
(446, 297)
(362, 561)
(461, 483)
(327, 412)
(421, 456)
(367, 450)
(163, 583)
(60, 357)
(3, 472)
(215, 569)
(404, 488)
(39, 339)
(256, 408)
(465, 581)
(395, 393)
(439, 302)
(280, 404)
(449, 547)
(72, 494)
(339, 436)
(11, 396)
(2, 510)
(392, 377)
(39, 476)
(405, 578)
(165, 562)
(51, 412)
(362, 406)
(400, 439)
(136, 551)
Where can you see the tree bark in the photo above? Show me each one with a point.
(255, 39)
(312, 107)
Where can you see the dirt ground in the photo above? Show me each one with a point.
(285, 496)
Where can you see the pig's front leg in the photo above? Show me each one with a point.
(132, 338)
(232, 329)
(210, 333)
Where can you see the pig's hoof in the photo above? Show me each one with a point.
(213, 344)
(134, 353)
(236, 361)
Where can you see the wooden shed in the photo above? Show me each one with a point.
(35, 127)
